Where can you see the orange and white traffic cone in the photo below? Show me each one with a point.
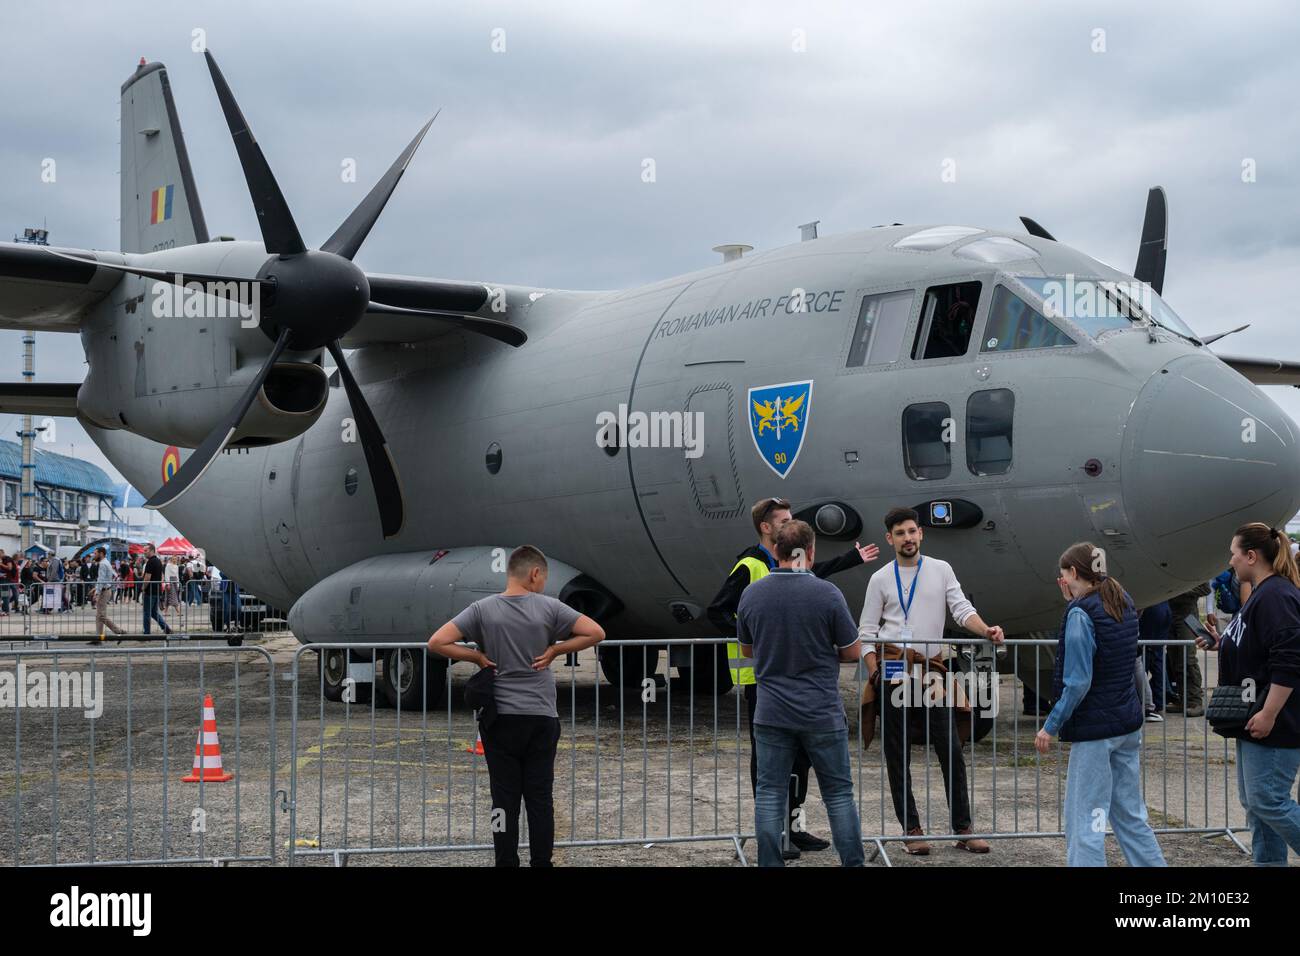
(478, 746)
(207, 750)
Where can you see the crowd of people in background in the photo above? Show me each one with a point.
(180, 580)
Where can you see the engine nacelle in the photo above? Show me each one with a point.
(395, 598)
(169, 363)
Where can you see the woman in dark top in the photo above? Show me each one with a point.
(1260, 650)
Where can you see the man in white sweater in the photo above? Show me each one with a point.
(906, 607)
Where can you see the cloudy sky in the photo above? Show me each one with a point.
(758, 117)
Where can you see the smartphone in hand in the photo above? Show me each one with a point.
(1204, 638)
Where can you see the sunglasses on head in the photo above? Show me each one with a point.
(773, 504)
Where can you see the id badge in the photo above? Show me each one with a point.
(905, 634)
(895, 671)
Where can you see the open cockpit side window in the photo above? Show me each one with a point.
(947, 320)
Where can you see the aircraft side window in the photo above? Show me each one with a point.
(1015, 324)
(878, 336)
(927, 441)
(988, 431)
(947, 320)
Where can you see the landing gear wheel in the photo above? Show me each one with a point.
(333, 664)
(629, 666)
(965, 661)
(404, 679)
(702, 673)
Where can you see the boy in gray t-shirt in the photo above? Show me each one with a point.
(514, 631)
(519, 633)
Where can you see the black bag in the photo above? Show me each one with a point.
(1229, 709)
(480, 695)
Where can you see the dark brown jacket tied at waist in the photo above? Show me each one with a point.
(916, 712)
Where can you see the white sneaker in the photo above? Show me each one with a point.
(1154, 718)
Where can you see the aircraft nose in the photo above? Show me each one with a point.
(1204, 452)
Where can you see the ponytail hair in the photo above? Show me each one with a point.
(1089, 562)
(1273, 545)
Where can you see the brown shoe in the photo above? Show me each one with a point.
(973, 846)
(916, 847)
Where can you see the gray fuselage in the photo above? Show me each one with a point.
(1160, 416)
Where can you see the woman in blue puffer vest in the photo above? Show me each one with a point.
(1097, 711)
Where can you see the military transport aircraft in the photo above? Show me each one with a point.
(1019, 393)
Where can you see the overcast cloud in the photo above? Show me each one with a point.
(532, 173)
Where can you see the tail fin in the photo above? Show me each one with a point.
(160, 205)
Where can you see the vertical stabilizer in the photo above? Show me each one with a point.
(160, 205)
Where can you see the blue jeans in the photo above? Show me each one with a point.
(829, 753)
(1103, 786)
(1264, 779)
(150, 602)
(1154, 658)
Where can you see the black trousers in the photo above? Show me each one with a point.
(520, 754)
(802, 762)
(898, 758)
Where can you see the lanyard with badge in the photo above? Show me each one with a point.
(905, 633)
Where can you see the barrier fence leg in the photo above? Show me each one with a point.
(879, 851)
(786, 827)
(1233, 837)
(739, 844)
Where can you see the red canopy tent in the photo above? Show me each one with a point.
(176, 546)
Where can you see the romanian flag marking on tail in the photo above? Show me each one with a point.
(171, 463)
(160, 204)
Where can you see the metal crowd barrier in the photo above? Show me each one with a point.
(669, 764)
(634, 798)
(651, 765)
(1036, 806)
(40, 613)
(92, 760)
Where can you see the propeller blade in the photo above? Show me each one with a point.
(1034, 229)
(279, 231)
(383, 472)
(163, 275)
(219, 437)
(1150, 266)
(492, 328)
(347, 239)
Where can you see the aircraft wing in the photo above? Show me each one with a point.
(48, 293)
(1263, 371)
(39, 398)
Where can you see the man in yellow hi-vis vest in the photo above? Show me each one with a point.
(752, 564)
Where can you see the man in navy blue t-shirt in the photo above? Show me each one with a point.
(798, 631)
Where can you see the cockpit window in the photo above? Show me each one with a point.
(927, 240)
(1088, 303)
(989, 417)
(1167, 317)
(1015, 324)
(878, 336)
(995, 249)
(947, 320)
(1100, 304)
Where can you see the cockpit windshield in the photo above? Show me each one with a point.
(1163, 314)
(1099, 305)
